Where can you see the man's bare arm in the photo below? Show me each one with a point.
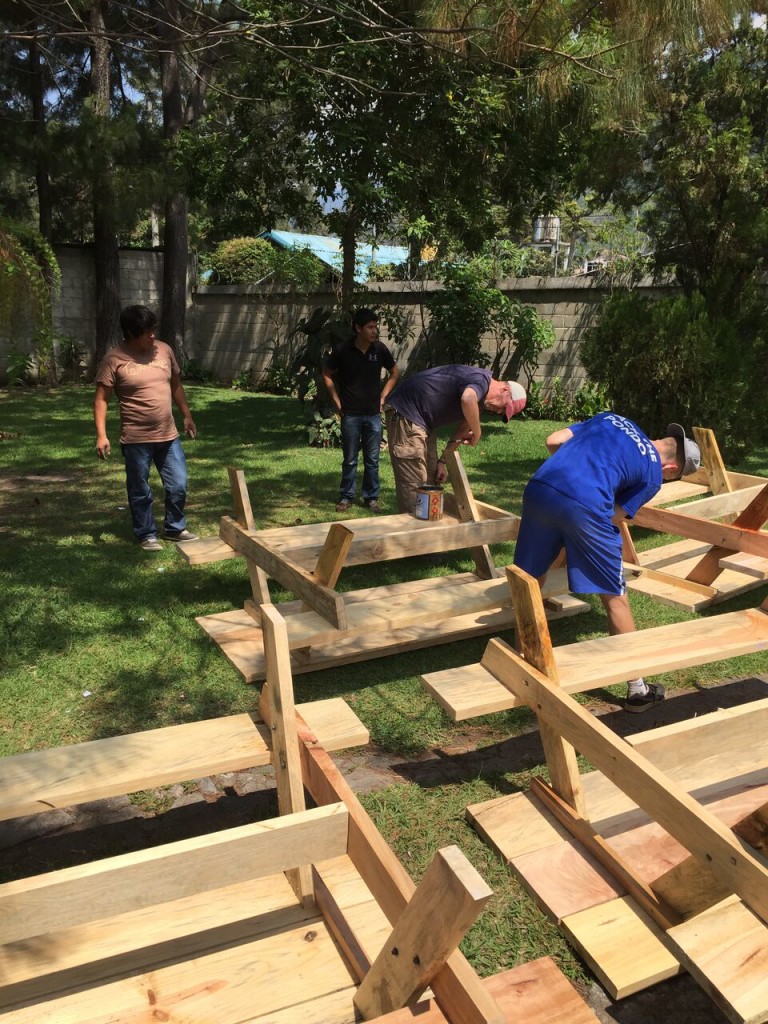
(558, 439)
(100, 404)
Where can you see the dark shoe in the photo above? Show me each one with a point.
(643, 701)
(344, 505)
(373, 505)
(150, 543)
(183, 535)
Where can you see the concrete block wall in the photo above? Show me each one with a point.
(232, 329)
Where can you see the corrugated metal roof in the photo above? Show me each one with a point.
(327, 248)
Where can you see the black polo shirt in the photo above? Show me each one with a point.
(357, 376)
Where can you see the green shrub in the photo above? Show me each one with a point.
(671, 360)
(240, 261)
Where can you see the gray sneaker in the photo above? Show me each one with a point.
(183, 535)
(150, 543)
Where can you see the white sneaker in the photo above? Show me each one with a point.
(150, 543)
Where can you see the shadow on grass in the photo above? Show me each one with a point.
(523, 753)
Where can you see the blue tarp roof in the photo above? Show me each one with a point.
(327, 248)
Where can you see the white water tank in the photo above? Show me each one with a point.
(546, 230)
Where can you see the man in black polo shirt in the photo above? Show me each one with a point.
(352, 374)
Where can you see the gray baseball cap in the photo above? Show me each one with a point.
(687, 450)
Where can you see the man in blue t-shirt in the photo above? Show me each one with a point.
(601, 471)
(435, 398)
(352, 374)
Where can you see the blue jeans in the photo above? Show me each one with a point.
(168, 456)
(360, 432)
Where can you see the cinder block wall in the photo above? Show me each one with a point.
(232, 329)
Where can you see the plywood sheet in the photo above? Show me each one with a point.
(623, 947)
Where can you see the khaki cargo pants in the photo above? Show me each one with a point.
(413, 451)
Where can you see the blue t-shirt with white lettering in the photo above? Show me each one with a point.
(609, 461)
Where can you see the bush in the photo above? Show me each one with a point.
(255, 260)
(470, 306)
(240, 261)
(671, 360)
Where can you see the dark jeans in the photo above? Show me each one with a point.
(168, 456)
(360, 432)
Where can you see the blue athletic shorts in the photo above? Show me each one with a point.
(550, 522)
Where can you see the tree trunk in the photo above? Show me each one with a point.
(349, 258)
(106, 253)
(42, 178)
(176, 231)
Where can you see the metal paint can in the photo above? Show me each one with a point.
(429, 502)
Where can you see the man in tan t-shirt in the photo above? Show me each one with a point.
(145, 376)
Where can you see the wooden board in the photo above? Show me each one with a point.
(376, 539)
(240, 638)
(726, 948)
(533, 993)
(42, 780)
(622, 946)
(471, 691)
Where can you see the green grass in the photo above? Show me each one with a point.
(83, 611)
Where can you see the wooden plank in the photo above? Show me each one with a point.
(623, 947)
(472, 690)
(259, 586)
(42, 780)
(680, 490)
(401, 539)
(352, 914)
(205, 550)
(752, 518)
(750, 565)
(628, 551)
(535, 645)
(533, 993)
(446, 903)
(322, 599)
(726, 950)
(469, 513)
(394, 612)
(731, 538)
(240, 497)
(331, 560)
(699, 831)
(77, 956)
(293, 975)
(240, 639)
(719, 505)
(457, 988)
(73, 896)
(712, 460)
(277, 708)
(701, 589)
(711, 748)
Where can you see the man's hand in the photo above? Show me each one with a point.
(103, 447)
(189, 427)
(441, 473)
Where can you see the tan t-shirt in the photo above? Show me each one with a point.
(143, 388)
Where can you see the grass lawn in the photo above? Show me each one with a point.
(98, 638)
